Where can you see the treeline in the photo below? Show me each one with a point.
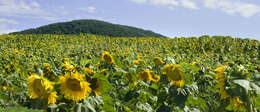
(92, 27)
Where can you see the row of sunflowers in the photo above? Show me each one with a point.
(97, 73)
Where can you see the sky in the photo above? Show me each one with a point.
(173, 18)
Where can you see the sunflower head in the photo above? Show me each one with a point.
(220, 77)
(96, 86)
(174, 73)
(144, 75)
(237, 103)
(74, 87)
(136, 61)
(89, 71)
(38, 87)
(107, 57)
(167, 68)
(46, 65)
(68, 66)
(221, 68)
(4, 88)
(155, 78)
(158, 61)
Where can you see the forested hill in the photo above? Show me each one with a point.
(92, 27)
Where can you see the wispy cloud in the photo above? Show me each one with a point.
(164, 2)
(89, 9)
(170, 3)
(189, 4)
(233, 7)
(139, 1)
(20, 8)
(4, 23)
(227, 6)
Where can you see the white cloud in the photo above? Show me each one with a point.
(164, 2)
(139, 1)
(230, 7)
(90, 9)
(4, 23)
(170, 3)
(20, 8)
(189, 4)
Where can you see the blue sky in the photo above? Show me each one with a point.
(237, 18)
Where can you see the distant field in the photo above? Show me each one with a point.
(94, 73)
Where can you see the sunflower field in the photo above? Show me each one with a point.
(90, 73)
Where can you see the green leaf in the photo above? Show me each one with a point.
(243, 83)
(144, 107)
(83, 62)
(255, 87)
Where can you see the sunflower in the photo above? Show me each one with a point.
(89, 71)
(38, 86)
(73, 86)
(237, 103)
(220, 77)
(155, 78)
(158, 61)
(174, 73)
(96, 86)
(145, 75)
(67, 65)
(52, 98)
(130, 78)
(46, 65)
(107, 57)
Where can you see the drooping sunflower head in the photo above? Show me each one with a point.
(167, 68)
(144, 75)
(221, 68)
(174, 73)
(221, 78)
(158, 61)
(107, 57)
(38, 87)
(96, 86)
(74, 87)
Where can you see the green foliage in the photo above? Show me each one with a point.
(17, 109)
(92, 27)
(198, 58)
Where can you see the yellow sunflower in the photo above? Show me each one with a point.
(96, 86)
(107, 57)
(174, 73)
(144, 75)
(74, 87)
(154, 77)
(4, 88)
(67, 65)
(158, 61)
(237, 103)
(89, 71)
(220, 77)
(52, 98)
(38, 87)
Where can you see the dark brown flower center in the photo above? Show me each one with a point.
(73, 84)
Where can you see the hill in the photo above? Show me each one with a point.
(92, 27)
